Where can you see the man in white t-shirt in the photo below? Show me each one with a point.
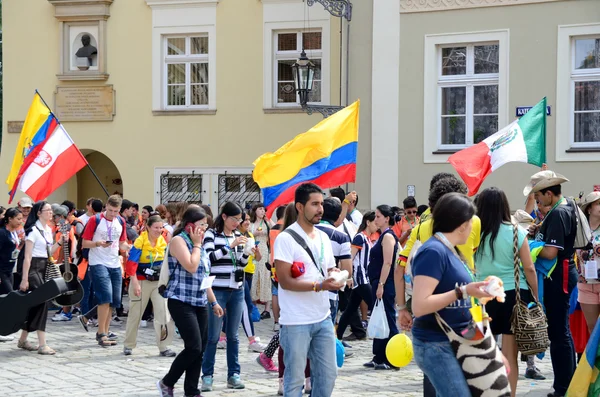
(306, 327)
(104, 235)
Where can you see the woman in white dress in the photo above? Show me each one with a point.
(260, 226)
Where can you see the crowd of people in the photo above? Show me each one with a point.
(201, 276)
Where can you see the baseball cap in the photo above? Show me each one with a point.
(25, 202)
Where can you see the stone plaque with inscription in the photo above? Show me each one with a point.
(14, 127)
(85, 103)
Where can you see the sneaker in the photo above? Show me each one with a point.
(143, 324)
(222, 343)
(352, 337)
(307, 386)
(62, 317)
(267, 363)
(256, 346)
(264, 315)
(116, 322)
(95, 322)
(365, 324)
(280, 389)
(346, 345)
(127, 351)
(76, 310)
(164, 390)
(168, 353)
(235, 382)
(534, 373)
(112, 336)
(6, 338)
(276, 327)
(370, 364)
(385, 367)
(207, 383)
(84, 322)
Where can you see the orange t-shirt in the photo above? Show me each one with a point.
(400, 227)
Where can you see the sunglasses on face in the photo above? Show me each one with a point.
(410, 212)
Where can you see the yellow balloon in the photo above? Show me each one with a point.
(399, 350)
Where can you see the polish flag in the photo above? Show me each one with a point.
(54, 164)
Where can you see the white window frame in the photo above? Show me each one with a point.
(287, 55)
(469, 81)
(566, 147)
(187, 59)
(434, 151)
(288, 15)
(171, 18)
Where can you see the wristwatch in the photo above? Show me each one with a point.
(213, 304)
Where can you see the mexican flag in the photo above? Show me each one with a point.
(523, 140)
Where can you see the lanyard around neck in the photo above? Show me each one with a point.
(188, 240)
(448, 245)
(231, 254)
(555, 205)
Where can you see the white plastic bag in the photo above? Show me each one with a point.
(378, 326)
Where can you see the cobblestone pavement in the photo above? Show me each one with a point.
(82, 368)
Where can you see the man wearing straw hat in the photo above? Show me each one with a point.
(558, 232)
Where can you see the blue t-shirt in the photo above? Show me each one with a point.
(501, 265)
(435, 260)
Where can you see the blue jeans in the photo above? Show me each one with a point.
(89, 299)
(333, 308)
(317, 343)
(438, 362)
(107, 284)
(232, 301)
(247, 323)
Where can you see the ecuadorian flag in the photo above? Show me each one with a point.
(39, 125)
(586, 381)
(324, 155)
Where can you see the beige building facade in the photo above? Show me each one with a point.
(185, 94)
(168, 99)
(438, 76)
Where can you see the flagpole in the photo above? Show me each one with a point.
(88, 164)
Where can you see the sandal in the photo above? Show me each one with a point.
(104, 341)
(46, 350)
(26, 346)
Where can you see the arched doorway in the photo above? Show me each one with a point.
(109, 175)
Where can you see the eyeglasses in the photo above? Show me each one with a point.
(203, 225)
(410, 212)
(48, 210)
(236, 220)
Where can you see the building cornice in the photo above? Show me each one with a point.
(409, 6)
(169, 3)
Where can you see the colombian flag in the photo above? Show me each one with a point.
(38, 126)
(324, 155)
(586, 382)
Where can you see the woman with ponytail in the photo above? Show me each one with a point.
(381, 276)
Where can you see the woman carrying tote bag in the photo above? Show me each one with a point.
(443, 287)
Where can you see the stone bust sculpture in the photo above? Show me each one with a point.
(87, 50)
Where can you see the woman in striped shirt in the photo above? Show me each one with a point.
(225, 247)
(361, 246)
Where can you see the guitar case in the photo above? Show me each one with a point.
(15, 305)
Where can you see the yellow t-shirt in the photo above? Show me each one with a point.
(424, 231)
(250, 267)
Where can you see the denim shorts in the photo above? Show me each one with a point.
(107, 284)
(274, 290)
